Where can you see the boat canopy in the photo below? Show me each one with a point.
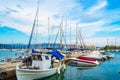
(34, 51)
(56, 54)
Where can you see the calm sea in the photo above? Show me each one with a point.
(108, 70)
(10, 54)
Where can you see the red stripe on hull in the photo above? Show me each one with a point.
(84, 61)
(86, 58)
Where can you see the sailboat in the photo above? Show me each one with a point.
(82, 61)
(41, 64)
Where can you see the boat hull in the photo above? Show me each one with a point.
(28, 74)
(84, 63)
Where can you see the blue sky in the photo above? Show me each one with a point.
(98, 20)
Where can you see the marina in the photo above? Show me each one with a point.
(108, 70)
(60, 40)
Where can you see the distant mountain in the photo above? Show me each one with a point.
(11, 35)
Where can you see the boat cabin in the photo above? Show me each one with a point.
(43, 61)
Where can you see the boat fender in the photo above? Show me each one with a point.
(58, 70)
(3, 75)
(64, 66)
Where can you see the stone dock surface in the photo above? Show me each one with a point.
(7, 70)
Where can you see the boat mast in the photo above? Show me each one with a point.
(81, 41)
(36, 32)
(70, 36)
(61, 33)
(76, 36)
(48, 34)
(107, 42)
(115, 42)
(34, 23)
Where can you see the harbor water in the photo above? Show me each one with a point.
(10, 54)
(108, 70)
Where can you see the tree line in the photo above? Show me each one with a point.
(110, 47)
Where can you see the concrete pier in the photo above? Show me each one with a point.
(8, 70)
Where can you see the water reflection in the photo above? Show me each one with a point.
(54, 77)
(81, 70)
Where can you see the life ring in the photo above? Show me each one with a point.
(3, 75)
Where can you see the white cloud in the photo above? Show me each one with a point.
(93, 19)
(89, 29)
(96, 8)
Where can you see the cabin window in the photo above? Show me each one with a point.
(46, 57)
(33, 57)
(36, 58)
(39, 58)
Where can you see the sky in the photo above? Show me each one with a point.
(97, 20)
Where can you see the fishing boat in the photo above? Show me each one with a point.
(83, 61)
(37, 64)
(40, 66)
